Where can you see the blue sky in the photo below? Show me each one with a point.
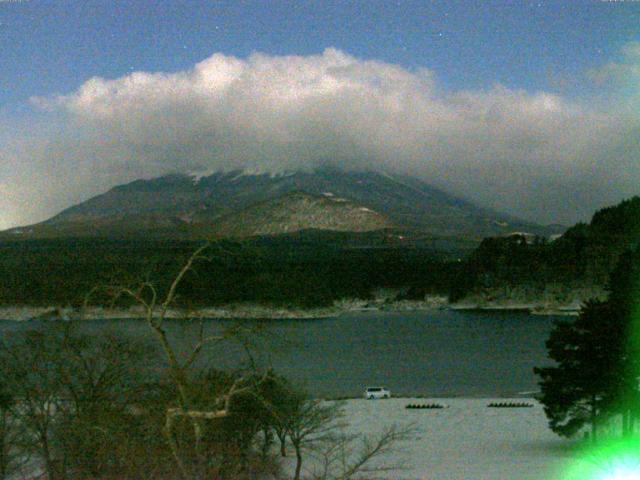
(531, 108)
(53, 46)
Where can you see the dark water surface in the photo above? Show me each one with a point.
(435, 353)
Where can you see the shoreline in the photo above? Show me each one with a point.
(26, 313)
(531, 308)
(263, 312)
(522, 396)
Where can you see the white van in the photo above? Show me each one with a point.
(376, 392)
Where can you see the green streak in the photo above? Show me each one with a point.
(612, 460)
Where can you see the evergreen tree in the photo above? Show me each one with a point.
(597, 361)
(624, 300)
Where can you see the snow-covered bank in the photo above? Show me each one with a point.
(255, 311)
(233, 311)
(467, 440)
(553, 299)
(23, 313)
(533, 308)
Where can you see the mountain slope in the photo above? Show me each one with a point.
(183, 203)
(300, 211)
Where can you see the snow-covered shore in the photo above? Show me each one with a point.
(467, 440)
(554, 299)
(233, 311)
(532, 307)
(254, 311)
(23, 313)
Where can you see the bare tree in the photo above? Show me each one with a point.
(69, 394)
(312, 423)
(316, 428)
(12, 437)
(27, 369)
(156, 308)
(346, 456)
(100, 379)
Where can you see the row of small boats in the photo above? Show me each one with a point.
(432, 406)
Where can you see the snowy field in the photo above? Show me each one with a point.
(468, 440)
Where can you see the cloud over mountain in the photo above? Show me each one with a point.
(534, 154)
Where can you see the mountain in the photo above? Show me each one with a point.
(241, 204)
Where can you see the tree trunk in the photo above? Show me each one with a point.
(4, 454)
(594, 428)
(3, 460)
(298, 461)
(52, 473)
(267, 441)
(282, 437)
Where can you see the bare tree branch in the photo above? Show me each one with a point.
(174, 285)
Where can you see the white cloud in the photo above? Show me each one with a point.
(624, 72)
(632, 50)
(533, 154)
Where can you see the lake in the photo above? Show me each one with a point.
(433, 353)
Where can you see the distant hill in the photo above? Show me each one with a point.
(242, 204)
(580, 260)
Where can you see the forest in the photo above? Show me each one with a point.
(313, 270)
(270, 271)
(583, 256)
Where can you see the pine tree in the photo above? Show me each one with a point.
(597, 361)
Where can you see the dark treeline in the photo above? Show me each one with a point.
(268, 271)
(584, 256)
(308, 270)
